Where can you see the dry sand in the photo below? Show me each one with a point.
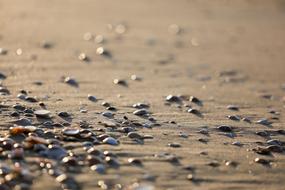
(216, 36)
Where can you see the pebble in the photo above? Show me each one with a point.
(46, 44)
(233, 107)
(172, 98)
(120, 82)
(83, 57)
(31, 99)
(103, 52)
(237, 143)
(135, 161)
(110, 141)
(92, 98)
(234, 117)
(55, 152)
(23, 122)
(134, 135)
(2, 76)
(246, 119)
(63, 114)
(195, 100)
(108, 114)
(225, 128)
(135, 78)
(274, 142)
(194, 111)
(174, 145)
(275, 148)
(71, 81)
(204, 131)
(70, 132)
(140, 105)
(42, 113)
(22, 96)
(141, 112)
(264, 121)
(3, 51)
(99, 168)
(262, 161)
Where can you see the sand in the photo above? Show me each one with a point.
(216, 36)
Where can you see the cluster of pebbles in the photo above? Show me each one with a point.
(39, 141)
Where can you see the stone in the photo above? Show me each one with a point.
(141, 112)
(42, 113)
(110, 141)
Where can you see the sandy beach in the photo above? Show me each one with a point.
(142, 95)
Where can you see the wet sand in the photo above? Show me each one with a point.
(226, 53)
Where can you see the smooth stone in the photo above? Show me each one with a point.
(21, 96)
(110, 141)
(92, 98)
(120, 82)
(195, 100)
(262, 161)
(71, 81)
(225, 128)
(141, 112)
(233, 107)
(140, 105)
(63, 114)
(23, 122)
(274, 142)
(172, 98)
(234, 117)
(134, 135)
(71, 132)
(55, 152)
(99, 168)
(108, 114)
(42, 113)
(264, 121)
(174, 145)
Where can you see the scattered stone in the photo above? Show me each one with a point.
(134, 135)
(233, 107)
(194, 111)
(234, 117)
(264, 121)
(70, 132)
(2, 76)
(172, 98)
(140, 105)
(135, 161)
(262, 161)
(63, 114)
(195, 100)
(110, 141)
(141, 112)
(103, 52)
(3, 51)
(174, 145)
(83, 57)
(42, 113)
(225, 128)
(120, 82)
(99, 168)
(71, 81)
(136, 78)
(108, 114)
(92, 98)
